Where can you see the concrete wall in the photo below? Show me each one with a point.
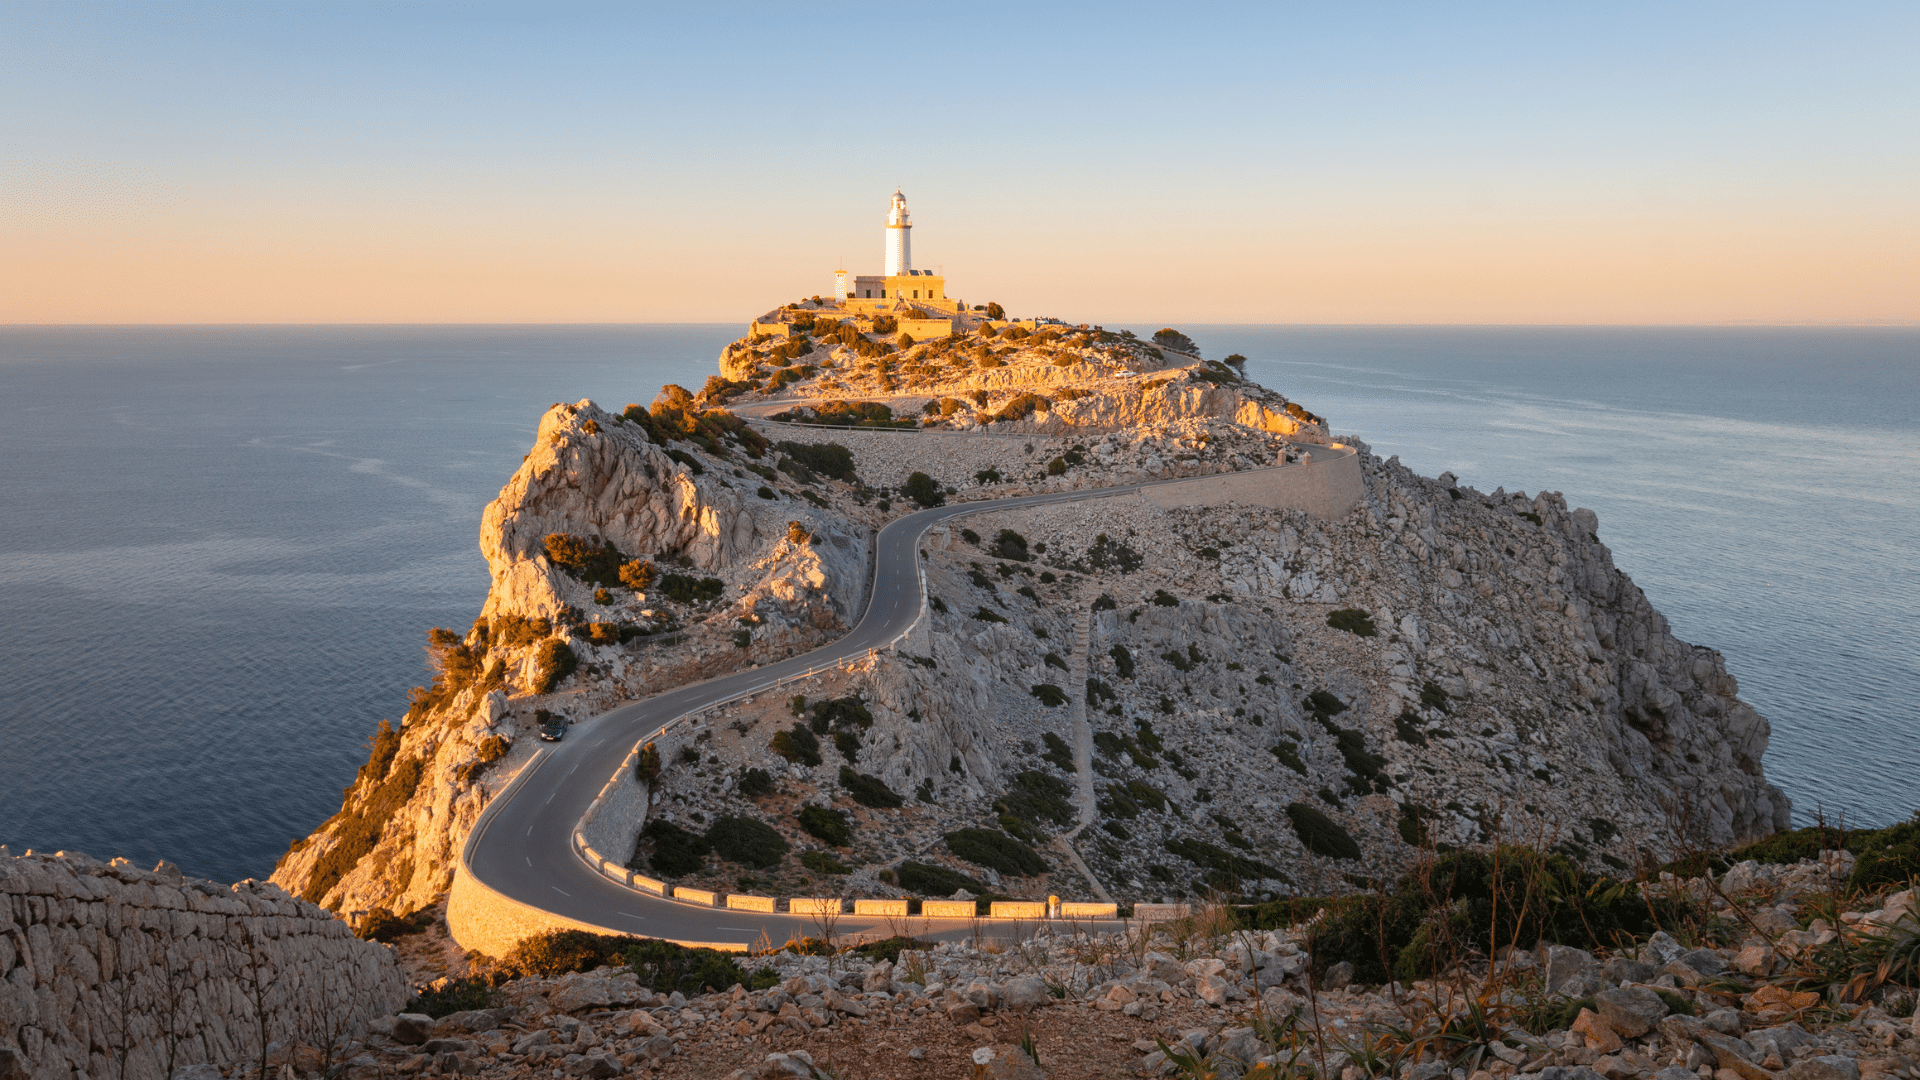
(100, 959)
(1327, 489)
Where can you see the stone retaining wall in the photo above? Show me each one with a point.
(105, 963)
(1327, 489)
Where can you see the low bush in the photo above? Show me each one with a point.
(646, 766)
(359, 829)
(827, 459)
(559, 952)
(1469, 902)
(1163, 598)
(1225, 870)
(986, 615)
(828, 825)
(1288, 752)
(869, 790)
(821, 862)
(1321, 834)
(513, 631)
(676, 852)
(665, 967)
(797, 744)
(935, 880)
(638, 575)
(687, 589)
(995, 849)
(1353, 621)
(1049, 694)
(747, 842)
(1122, 661)
(755, 783)
(1059, 754)
(458, 994)
(584, 560)
(1009, 545)
(922, 489)
(1038, 796)
(555, 661)
(385, 927)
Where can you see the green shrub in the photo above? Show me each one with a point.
(638, 575)
(987, 615)
(646, 766)
(798, 745)
(664, 967)
(755, 783)
(995, 849)
(385, 927)
(823, 863)
(765, 492)
(1888, 856)
(742, 638)
(1049, 694)
(1057, 467)
(922, 489)
(868, 790)
(1225, 870)
(1058, 752)
(676, 852)
(1035, 795)
(1288, 752)
(1009, 545)
(1163, 598)
(1432, 918)
(1021, 407)
(686, 589)
(1406, 727)
(559, 952)
(456, 995)
(747, 842)
(584, 560)
(827, 459)
(936, 880)
(555, 661)
(1320, 833)
(1122, 661)
(1325, 704)
(517, 631)
(822, 823)
(1353, 621)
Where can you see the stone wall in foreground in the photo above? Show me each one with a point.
(104, 965)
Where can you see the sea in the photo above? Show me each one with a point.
(221, 547)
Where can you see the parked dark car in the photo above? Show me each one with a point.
(552, 728)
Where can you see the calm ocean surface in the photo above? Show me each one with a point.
(220, 548)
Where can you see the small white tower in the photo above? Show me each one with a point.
(899, 238)
(842, 285)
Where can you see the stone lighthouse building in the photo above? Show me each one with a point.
(901, 283)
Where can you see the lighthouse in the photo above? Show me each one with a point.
(902, 287)
(899, 238)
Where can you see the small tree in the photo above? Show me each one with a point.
(647, 766)
(922, 489)
(995, 311)
(638, 575)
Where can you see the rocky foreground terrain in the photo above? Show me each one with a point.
(1113, 698)
(1196, 998)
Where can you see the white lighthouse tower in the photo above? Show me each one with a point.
(899, 238)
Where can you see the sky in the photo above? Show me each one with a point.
(1618, 163)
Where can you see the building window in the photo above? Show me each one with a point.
(916, 294)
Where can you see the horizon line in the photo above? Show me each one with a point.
(1739, 324)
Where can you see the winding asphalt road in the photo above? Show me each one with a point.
(522, 845)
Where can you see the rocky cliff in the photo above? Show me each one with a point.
(1121, 695)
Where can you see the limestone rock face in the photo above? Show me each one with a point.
(104, 963)
(594, 475)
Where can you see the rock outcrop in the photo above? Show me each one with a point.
(1147, 697)
(107, 970)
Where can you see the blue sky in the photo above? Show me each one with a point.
(1286, 163)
